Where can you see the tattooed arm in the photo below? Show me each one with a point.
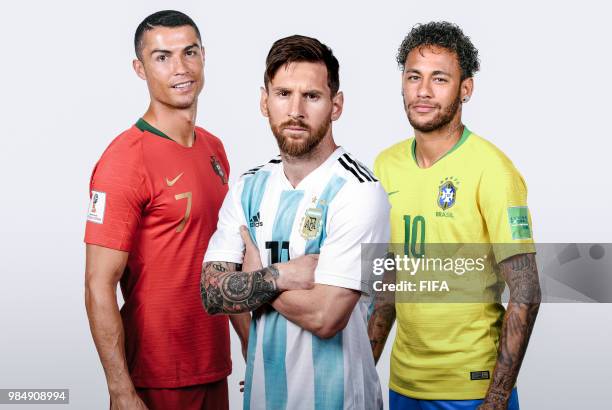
(380, 324)
(225, 289)
(382, 318)
(521, 275)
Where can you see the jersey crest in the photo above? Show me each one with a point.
(447, 194)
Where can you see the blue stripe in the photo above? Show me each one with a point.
(252, 194)
(327, 355)
(329, 192)
(248, 377)
(275, 327)
(328, 363)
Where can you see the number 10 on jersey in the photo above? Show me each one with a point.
(414, 236)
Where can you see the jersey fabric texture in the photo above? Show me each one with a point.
(331, 212)
(161, 202)
(472, 195)
(399, 402)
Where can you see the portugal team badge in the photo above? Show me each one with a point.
(447, 194)
(218, 169)
(311, 223)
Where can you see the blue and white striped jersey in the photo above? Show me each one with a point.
(331, 212)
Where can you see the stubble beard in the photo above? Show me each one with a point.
(439, 121)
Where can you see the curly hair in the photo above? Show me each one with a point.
(446, 35)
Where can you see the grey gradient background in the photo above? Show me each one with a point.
(543, 97)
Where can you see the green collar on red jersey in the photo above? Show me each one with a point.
(142, 125)
(464, 137)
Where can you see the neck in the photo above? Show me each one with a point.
(433, 145)
(297, 168)
(178, 124)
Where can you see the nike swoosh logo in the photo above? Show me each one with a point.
(170, 183)
(391, 193)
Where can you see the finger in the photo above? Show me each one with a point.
(246, 236)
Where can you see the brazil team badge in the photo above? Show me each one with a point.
(218, 169)
(311, 223)
(447, 193)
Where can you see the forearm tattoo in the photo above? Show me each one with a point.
(382, 318)
(521, 275)
(225, 289)
(380, 324)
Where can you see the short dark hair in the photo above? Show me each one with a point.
(164, 18)
(446, 35)
(298, 48)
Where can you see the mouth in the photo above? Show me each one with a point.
(185, 85)
(424, 108)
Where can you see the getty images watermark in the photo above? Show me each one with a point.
(469, 273)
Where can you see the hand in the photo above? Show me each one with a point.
(297, 273)
(252, 259)
(129, 401)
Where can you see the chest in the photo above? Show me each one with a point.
(187, 190)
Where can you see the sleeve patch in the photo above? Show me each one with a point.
(518, 217)
(97, 205)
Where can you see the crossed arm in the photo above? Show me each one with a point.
(225, 289)
(521, 275)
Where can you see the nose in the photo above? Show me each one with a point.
(424, 89)
(296, 107)
(180, 68)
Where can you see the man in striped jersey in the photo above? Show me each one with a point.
(308, 344)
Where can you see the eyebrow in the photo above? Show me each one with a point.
(159, 50)
(437, 72)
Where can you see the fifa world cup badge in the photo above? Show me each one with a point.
(311, 223)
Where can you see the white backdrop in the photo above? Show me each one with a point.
(543, 97)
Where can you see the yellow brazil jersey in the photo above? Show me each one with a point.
(472, 195)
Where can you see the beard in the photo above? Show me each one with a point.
(299, 147)
(443, 118)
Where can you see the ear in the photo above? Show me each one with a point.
(263, 102)
(139, 68)
(467, 88)
(337, 105)
(203, 54)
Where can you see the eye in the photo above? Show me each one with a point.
(312, 96)
(413, 77)
(282, 93)
(440, 80)
(161, 57)
(191, 52)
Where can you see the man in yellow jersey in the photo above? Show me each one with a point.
(449, 186)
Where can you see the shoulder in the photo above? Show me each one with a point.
(353, 170)
(209, 137)
(361, 189)
(489, 155)
(264, 168)
(126, 148)
(395, 151)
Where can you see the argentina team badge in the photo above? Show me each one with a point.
(311, 223)
(447, 194)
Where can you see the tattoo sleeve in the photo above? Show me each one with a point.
(225, 289)
(521, 275)
(382, 318)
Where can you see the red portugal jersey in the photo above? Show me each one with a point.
(159, 201)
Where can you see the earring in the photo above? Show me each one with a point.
(466, 98)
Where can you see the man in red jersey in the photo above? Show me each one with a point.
(155, 196)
